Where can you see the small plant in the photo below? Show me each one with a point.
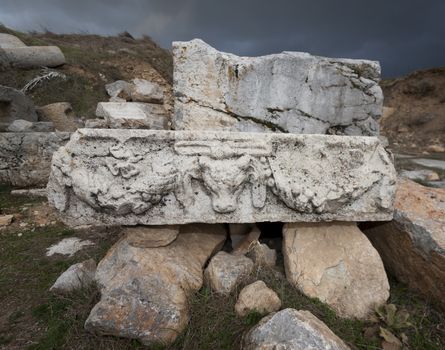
(45, 75)
(394, 321)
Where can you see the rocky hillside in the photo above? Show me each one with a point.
(414, 120)
(92, 62)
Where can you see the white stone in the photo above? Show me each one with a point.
(337, 264)
(78, 276)
(133, 115)
(287, 92)
(10, 41)
(68, 246)
(225, 271)
(290, 329)
(257, 297)
(32, 192)
(32, 56)
(160, 177)
(142, 90)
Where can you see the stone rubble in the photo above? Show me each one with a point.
(145, 291)
(262, 255)
(257, 297)
(138, 90)
(346, 272)
(20, 125)
(412, 246)
(6, 220)
(156, 177)
(225, 271)
(288, 92)
(77, 276)
(61, 115)
(290, 329)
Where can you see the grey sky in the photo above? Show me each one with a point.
(404, 35)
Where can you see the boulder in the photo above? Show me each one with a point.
(14, 104)
(292, 330)
(158, 177)
(118, 90)
(25, 158)
(151, 236)
(61, 115)
(32, 56)
(133, 115)
(420, 175)
(337, 264)
(412, 246)
(6, 220)
(138, 90)
(78, 276)
(21, 125)
(257, 297)
(145, 290)
(262, 255)
(225, 271)
(10, 41)
(288, 92)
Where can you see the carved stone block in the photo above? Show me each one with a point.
(175, 177)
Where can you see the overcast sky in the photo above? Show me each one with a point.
(404, 35)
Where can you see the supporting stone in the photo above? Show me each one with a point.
(337, 264)
(287, 92)
(164, 177)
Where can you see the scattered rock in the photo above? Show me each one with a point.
(257, 297)
(78, 276)
(14, 104)
(31, 192)
(96, 124)
(292, 330)
(116, 90)
(145, 290)
(420, 175)
(25, 158)
(337, 264)
(142, 90)
(436, 149)
(412, 246)
(133, 115)
(225, 271)
(430, 163)
(61, 115)
(21, 125)
(246, 243)
(151, 236)
(68, 246)
(10, 41)
(262, 255)
(32, 56)
(292, 92)
(6, 220)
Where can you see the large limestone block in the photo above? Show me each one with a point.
(10, 41)
(287, 92)
(337, 264)
(32, 56)
(145, 290)
(412, 246)
(25, 158)
(133, 115)
(174, 177)
(14, 105)
(290, 329)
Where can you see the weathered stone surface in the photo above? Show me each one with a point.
(116, 90)
(238, 233)
(15, 105)
(61, 115)
(68, 246)
(249, 240)
(262, 255)
(6, 220)
(288, 92)
(78, 276)
(133, 115)
(165, 177)
(138, 90)
(32, 56)
(145, 290)
(151, 236)
(337, 264)
(32, 192)
(21, 125)
(25, 158)
(96, 123)
(412, 246)
(10, 41)
(226, 270)
(257, 297)
(290, 329)
(420, 175)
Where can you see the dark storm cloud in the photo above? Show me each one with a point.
(403, 35)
